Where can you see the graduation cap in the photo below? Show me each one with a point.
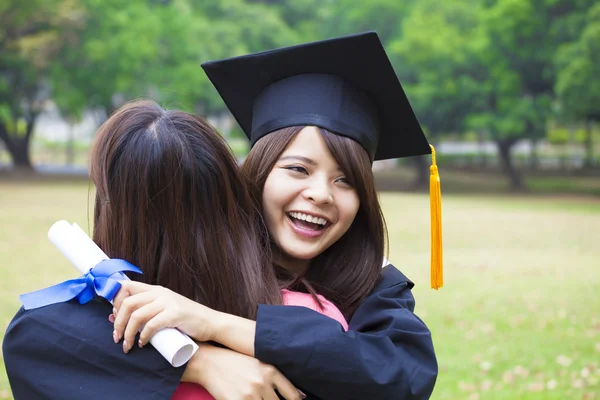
(346, 85)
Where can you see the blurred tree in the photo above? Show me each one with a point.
(31, 34)
(304, 17)
(514, 51)
(433, 61)
(436, 68)
(491, 66)
(345, 17)
(577, 84)
(104, 58)
(101, 53)
(107, 57)
(226, 28)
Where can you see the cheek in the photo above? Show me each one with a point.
(349, 208)
(279, 190)
(273, 197)
(268, 200)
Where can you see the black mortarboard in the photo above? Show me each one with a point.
(346, 85)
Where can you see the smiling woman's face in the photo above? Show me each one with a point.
(307, 202)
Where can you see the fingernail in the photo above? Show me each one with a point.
(125, 346)
(111, 318)
(301, 393)
(140, 343)
(114, 311)
(115, 337)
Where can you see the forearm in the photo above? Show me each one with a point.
(235, 333)
(194, 369)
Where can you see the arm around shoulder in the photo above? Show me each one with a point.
(387, 353)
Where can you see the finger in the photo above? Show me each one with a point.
(138, 319)
(160, 321)
(129, 288)
(285, 388)
(269, 394)
(122, 294)
(128, 306)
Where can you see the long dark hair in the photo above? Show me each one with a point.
(170, 199)
(349, 269)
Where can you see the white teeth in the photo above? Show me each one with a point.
(308, 218)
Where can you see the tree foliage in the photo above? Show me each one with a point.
(503, 68)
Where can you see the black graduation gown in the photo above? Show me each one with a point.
(387, 352)
(65, 351)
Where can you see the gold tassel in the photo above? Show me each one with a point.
(435, 198)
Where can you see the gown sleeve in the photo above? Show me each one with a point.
(386, 354)
(65, 351)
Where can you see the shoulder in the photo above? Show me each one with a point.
(70, 347)
(392, 276)
(60, 331)
(392, 292)
(90, 319)
(70, 329)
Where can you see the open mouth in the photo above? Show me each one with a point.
(306, 221)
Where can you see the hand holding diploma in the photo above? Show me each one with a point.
(150, 308)
(102, 276)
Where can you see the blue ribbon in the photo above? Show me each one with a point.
(103, 280)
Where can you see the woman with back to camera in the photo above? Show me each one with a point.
(170, 199)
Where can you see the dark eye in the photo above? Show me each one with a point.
(297, 168)
(344, 180)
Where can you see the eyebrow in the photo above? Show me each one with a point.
(304, 159)
(300, 158)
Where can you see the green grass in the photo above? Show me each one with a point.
(517, 318)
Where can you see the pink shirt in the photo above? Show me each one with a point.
(191, 391)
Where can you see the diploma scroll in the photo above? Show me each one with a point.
(176, 347)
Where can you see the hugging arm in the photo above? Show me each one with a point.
(386, 354)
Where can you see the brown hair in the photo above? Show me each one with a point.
(348, 270)
(171, 200)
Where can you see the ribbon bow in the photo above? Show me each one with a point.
(98, 280)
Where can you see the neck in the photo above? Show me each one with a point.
(292, 265)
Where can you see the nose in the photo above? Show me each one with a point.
(319, 192)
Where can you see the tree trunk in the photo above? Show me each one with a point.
(422, 178)
(533, 156)
(20, 154)
(18, 147)
(483, 159)
(589, 145)
(564, 156)
(504, 150)
(70, 148)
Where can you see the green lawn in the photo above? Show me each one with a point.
(517, 319)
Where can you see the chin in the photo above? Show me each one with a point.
(301, 255)
(304, 256)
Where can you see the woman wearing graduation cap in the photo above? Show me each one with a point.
(317, 116)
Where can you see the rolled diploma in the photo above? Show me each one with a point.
(176, 347)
